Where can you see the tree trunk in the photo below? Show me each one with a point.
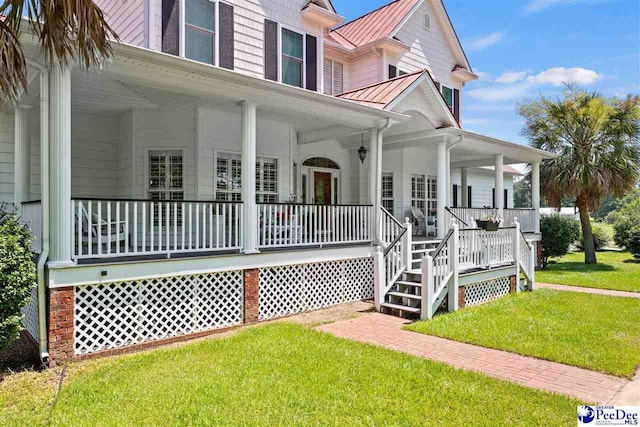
(587, 235)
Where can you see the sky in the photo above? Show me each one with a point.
(522, 49)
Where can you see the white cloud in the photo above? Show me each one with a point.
(485, 42)
(561, 75)
(472, 122)
(512, 77)
(482, 76)
(538, 5)
(500, 93)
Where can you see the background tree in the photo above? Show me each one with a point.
(66, 30)
(597, 143)
(522, 193)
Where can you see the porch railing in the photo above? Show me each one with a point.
(117, 228)
(526, 217)
(31, 215)
(295, 225)
(466, 217)
(486, 249)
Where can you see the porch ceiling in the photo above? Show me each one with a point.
(145, 79)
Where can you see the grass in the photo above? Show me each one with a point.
(595, 332)
(280, 374)
(615, 270)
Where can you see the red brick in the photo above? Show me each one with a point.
(251, 295)
(61, 333)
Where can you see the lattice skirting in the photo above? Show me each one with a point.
(291, 289)
(483, 292)
(30, 315)
(114, 315)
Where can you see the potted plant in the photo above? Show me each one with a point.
(489, 223)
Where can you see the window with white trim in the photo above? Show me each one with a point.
(165, 174)
(418, 192)
(229, 178)
(447, 94)
(333, 77)
(200, 30)
(387, 192)
(427, 21)
(432, 196)
(292, 52)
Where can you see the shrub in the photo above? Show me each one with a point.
(634, 242)
(558, 233)
(17, 274)
(601, 237)
(627, 218)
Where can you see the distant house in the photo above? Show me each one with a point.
(239, 161)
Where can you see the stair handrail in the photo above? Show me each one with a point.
(456, 216)
(430, 295)
(387, 217)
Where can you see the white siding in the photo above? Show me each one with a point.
(6, 157)
(126, 17)
(365, 71)
(125, 156)
(429, 49)
(165, 130)
(249, 30)
(220, 131)
(482, 184)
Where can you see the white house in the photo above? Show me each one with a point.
(149, 227)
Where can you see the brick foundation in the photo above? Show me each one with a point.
(60, 325)
(538, 249)
(461, 296)
(251, 286)
(512, 284)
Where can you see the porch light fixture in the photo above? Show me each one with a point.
(362, 151)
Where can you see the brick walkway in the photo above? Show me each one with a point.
(385, 331)
(589, 290)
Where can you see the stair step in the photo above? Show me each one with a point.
(415, 271)
(403, 282)
(423, 251)
(404, 295)
(427, 242)
(401, 307)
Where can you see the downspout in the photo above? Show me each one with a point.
(378, 192)
(44, 197)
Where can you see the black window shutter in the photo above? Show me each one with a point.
(170, 29)
(506, 198)
(226, 36)
(493, 194)
(312, 63)
(455, 195)
(469, 194)
(270, 50)
(393, 71)
(437, 86)
(456, 104)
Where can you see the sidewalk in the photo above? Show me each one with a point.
(589, 290)
(386, 331)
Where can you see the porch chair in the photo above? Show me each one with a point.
(419, 221)
(105, 226)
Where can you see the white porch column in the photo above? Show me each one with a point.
(463, 188)
(442, 188)
(449, 186)
(535, 192)
(22, 162)
(249, 208)
(60, 161)
(500, 184)
(373, 182)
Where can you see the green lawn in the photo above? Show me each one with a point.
(280, 374)
(615, 270)
(596, 332)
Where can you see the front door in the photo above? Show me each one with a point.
(322, 188)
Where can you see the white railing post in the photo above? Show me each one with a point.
(379, 276)
(532, 267)
(516, 251)
(427, 292)
(454, 257)
(406, 248)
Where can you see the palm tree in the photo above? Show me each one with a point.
(66, 30)
(597, 141)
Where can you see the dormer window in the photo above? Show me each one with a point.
(427, 22)
(200, 31)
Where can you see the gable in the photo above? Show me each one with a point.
(428, 103)
(428, 44)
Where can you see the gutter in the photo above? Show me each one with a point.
(43, 343)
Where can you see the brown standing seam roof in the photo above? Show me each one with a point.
(373, 26)
(382, 94)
